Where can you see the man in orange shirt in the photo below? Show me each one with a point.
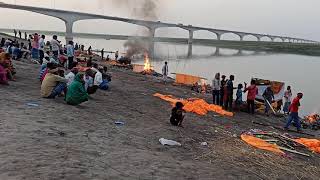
(294, 116)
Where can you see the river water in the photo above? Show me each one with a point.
(300, 72)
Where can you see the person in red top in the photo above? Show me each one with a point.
(252, 93)
(294, 109)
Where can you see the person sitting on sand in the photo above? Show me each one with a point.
(71, 75)
(76, 93)
(88, 79)
(98, 75)
(3, 76)
(53, 85)
(177, 116)
(5, 62)
(106, 78)
(44, 70)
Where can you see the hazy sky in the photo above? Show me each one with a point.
(296, 18)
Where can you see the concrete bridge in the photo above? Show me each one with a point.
(70, 17)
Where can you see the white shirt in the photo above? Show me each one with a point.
(216, 84)
(98, 77)
(41, 44)
(70, 77)
(88, 81)
(55, 45)
(165, 70)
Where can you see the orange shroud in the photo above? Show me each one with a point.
(261, 144)
(312, 144)
(187, 79)
(195, 105)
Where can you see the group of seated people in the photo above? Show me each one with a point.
(74, 86)
(7, 71)
(15, 49)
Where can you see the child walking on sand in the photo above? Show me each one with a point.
(177, 115)
(239, 97)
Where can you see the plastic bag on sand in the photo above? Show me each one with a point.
(168, 142)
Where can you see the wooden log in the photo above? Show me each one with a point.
(294, 151)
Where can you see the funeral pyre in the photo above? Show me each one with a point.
(311, 121)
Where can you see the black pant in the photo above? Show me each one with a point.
(92, 90)
(221, 98)
(250, 106)
(216, 97)
(229, 102)
(70, 62)
(41, 56)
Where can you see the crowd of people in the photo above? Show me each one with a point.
(59, 73)
(223, 91)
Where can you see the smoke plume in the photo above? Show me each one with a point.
(141, 9)
(135, 46)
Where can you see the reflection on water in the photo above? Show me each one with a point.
(301, 72)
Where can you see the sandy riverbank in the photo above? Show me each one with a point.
(57, 141)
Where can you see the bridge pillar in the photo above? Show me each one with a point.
(218, 36)
(241, 37)
(190, 41)
(69, 35)
(217, 52)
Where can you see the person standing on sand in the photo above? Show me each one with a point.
(25, 35)
(116, 55)
(294, 115)
(165, 72)
(223, 83)
(216, 87)
(238, 101)
(41, 48)
(89, 50)
(268, 98)
(15, 33)
(229, 100)
(252, 93)
(102, 54)
(55, 47)
(70, 54)
(287, 100)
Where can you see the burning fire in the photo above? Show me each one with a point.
(147, 65)
(312, 118)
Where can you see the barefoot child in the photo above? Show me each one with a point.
(177, 115)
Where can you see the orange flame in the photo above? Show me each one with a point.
(312, 118)
(147, 65)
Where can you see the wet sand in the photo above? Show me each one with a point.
(58, 141)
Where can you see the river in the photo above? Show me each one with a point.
(300, 72)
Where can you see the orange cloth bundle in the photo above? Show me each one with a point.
(261, 144)
(195, 105)
(312, 144)
(187, 79)
(82, 69)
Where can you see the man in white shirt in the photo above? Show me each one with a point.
(165, 71)
(98, 77)
(216, 87)
(71, 75)
(70, 54)
(55, 46)
(41, 48)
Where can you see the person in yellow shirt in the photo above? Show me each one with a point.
(53, 84)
